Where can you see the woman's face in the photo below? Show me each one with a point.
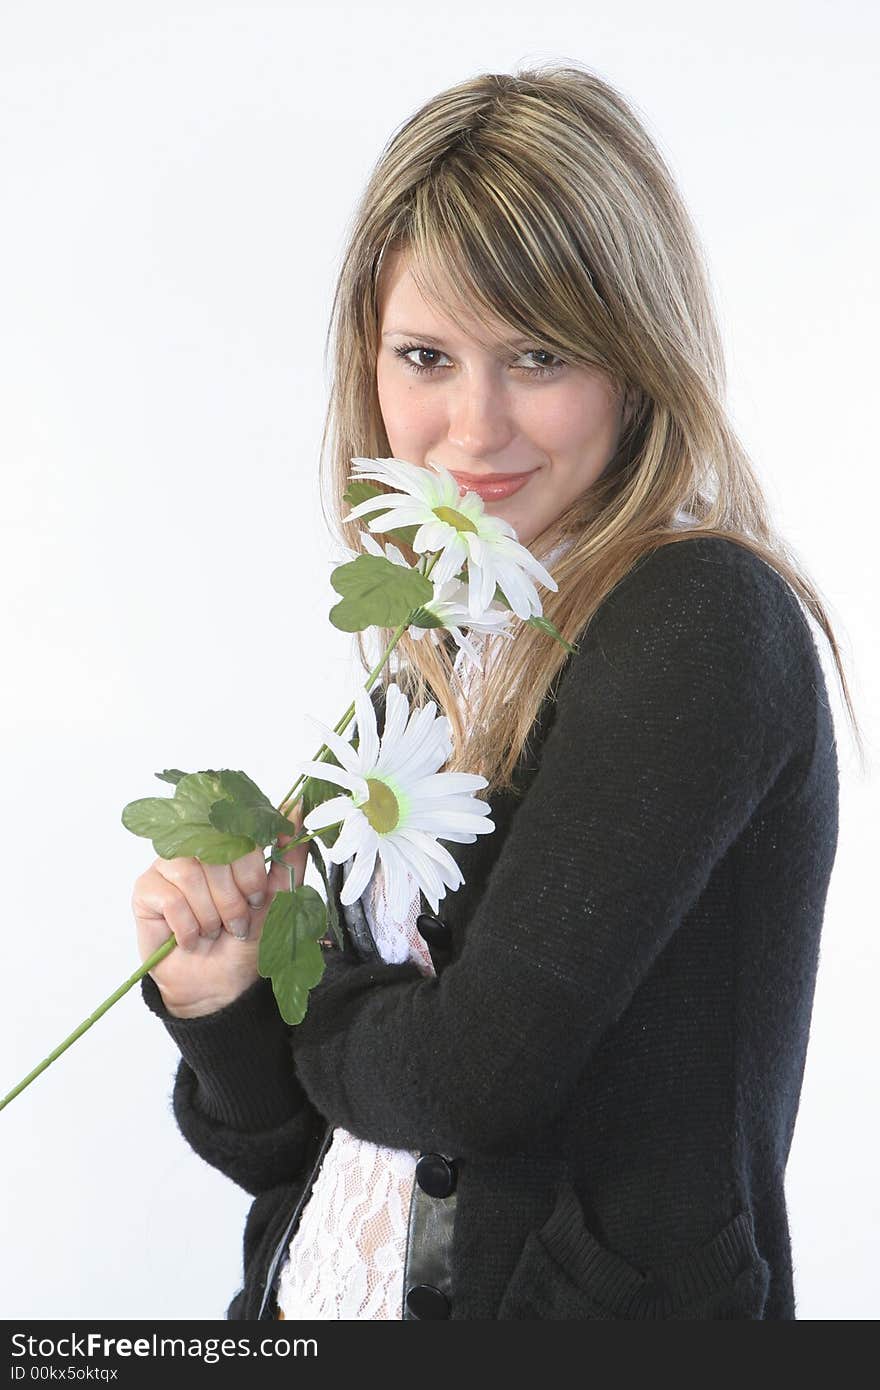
(482, 412)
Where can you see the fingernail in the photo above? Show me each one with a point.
(257, 899)
(239, 928)
(212, 935)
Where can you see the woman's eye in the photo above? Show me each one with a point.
(403, 352)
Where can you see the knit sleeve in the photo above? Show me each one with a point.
(684, 710)
(236, 1098)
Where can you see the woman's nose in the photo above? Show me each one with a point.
(479, 420)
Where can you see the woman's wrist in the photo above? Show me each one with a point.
(200, 1010)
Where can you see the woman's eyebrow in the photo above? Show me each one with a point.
(429, 337)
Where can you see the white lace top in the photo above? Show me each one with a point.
(346, 1257)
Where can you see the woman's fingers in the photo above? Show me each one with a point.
(229, 900)
(196, 901)
(249, 874)
(213, 896)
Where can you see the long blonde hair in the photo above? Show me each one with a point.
(542, 198)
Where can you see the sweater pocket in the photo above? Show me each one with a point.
(564, 1272)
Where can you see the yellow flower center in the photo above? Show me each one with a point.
(382, 809)
(454, 518)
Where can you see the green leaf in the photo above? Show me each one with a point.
(180, 826)
(248, 812)
(171, 774)
(545, 625)
(423, 617)
(152, 815)
(541, 622)
(289, 953)
(360, 491)
(405, 534)
(376, 593)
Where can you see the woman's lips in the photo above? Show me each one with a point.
(492, 489)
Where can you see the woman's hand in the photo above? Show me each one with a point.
(215, 913)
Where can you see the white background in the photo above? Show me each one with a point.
(176, 184)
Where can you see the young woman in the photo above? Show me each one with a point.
(571, 1095)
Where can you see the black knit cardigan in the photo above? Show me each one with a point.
(614, 1052)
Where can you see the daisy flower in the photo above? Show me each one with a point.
(449, 605)
(398, 803)
(459, 528)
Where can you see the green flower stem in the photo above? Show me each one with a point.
(154, 959)
(165, 949)
(277, 852)
(342, 724)
(168, 946)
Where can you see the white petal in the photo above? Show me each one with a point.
(356, 833)
(494, 528)
(328, 813)
(348, 756)
(370, 543)
(453, 557)
(398, 889)
(361, 873)
(520, 591)
(451, 805)
(329, 772)
(472, 506)
(447, 824)
(514, 553)
(423, 748)
(420, 866)
(396, 714)
(433, 862)
(399, 473)
(368, 738)
(481, 577)
(395, 751)
(441, 783)
(421, 759)
(447, 485)
(421, 722)
(370, 504)
(402, 516)
(388, 499)
(459, 837)
(433, 534)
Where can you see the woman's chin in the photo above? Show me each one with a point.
(516, 516)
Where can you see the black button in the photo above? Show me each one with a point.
(435, 1175)
(424, 1301)
(433, 930)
